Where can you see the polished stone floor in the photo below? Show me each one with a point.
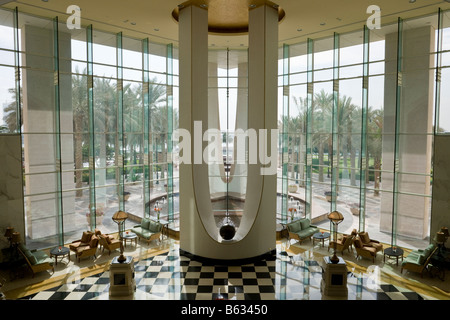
(293, 273)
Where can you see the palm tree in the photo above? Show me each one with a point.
(346, 120)
(374, 143)
(322, 116)
(80, 124)
(10, 113)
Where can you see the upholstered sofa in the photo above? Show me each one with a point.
(37, 260)
(301, 229)
(417, 260)
(148, 230)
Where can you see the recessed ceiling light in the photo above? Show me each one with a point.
(133, 23)
(322, 23)
(299, 29)
(203, 5)
(412, 1)
(180, 6)
(156, 29)
(252, 6)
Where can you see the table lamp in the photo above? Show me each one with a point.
(335, 217)
(8, 234)
(119, 217)
(444, 230)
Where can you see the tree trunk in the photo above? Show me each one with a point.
(377, 166)
(78, 158)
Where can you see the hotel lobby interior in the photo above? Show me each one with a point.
(238, 150)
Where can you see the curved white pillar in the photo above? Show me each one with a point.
(257, 232)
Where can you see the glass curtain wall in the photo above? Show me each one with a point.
(356, 116)
(94, 108)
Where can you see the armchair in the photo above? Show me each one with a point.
(109, 243)
(37, 260)
(364, 251)
(86, 246)
(418, 260)
(367, 242)
(345, 243)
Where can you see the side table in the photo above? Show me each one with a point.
(130, 236)
(321, 236)
(59, 252)
(393, 253)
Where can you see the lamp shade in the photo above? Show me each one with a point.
(335, 217)
(440, 237)
(444, 230)
(120, 216)
(9, 231)
(15, 237)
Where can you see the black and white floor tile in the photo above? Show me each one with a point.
(171, 276)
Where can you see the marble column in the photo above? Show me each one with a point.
(11, 186)
(440, 214)
(39, 119)
(414, 143)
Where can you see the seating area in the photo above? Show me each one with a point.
(418, 260)
(37, 260)
(301, 229)
(148, 230)
(88, 244)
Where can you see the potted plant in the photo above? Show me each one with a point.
(292, 188)
(292, 211)
(354, 209)
(328, 195)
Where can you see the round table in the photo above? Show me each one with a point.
(321, 236)
(393, 253)
(59, 252)
(130, 236)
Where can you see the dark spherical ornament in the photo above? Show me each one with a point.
(227, 232)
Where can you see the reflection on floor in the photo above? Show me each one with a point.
(294, 273)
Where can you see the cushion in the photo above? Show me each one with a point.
(371, 250)
(94, 241)
(294, 226)
(358, 243)
(377, 246)
(421, 259)
(364, 237)
(30, 256)
(154, 226)
(305, 223)
(344, 238)
(145, 223)
(86, 237)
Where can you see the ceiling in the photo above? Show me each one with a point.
(301, 19)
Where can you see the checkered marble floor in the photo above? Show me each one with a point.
(171, 276)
